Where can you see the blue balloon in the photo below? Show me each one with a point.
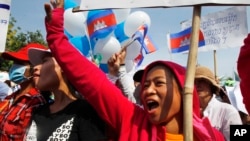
(69, 4)
(104, 67)
(81, 43)
(100, 23)
(67, 34)
(94, 12)
(93, 42)
(119, 33)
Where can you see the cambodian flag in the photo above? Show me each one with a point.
(140, 34)
(138, 60)
(100, 23)
(149, 45)
(180, 42)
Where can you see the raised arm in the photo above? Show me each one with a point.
(116, 66)
(89, 80)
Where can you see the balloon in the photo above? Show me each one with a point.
(135, 20)
(100, 23)
(129, 64)
(69, 4)
(67, 34)
(133, 49)
(119, 33)
(121, 14)
(81, 43)
(104, 67)
(74, 23)
(93, 42)
(107, 47)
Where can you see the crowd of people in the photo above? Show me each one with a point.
(48, 95)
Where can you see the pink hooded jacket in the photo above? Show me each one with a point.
(129, 120)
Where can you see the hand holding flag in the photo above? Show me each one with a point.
(141, 36)
(145, 41)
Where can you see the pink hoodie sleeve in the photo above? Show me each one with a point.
(244, 71)
(89, 80)
(203, 130)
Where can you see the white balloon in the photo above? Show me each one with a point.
(74, 23)
(133, 50)
(129, 64)
(134, 20)
(121, 14)
(107, 47)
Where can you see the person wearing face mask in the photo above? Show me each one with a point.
(16, 109)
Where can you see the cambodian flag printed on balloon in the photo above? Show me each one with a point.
(100, 23)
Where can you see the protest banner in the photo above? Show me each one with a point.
(105, 4)
(4, 22)
(223, 29)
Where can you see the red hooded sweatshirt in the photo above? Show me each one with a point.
(130, 122)
(243, 70)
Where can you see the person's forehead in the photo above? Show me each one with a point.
(201, 80)
(48, 54)
(157, 67)
(21, 62)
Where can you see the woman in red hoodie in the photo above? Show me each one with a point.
(162, 84)
(243, 70)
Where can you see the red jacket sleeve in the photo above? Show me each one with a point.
(89, 80)
(244, 71)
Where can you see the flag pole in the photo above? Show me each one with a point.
(189, 81)
(215, 65)
(132, 40)
(123, 48)
(169, 46)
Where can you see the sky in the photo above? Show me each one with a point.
(30, 17)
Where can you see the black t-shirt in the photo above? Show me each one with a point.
(76, 122)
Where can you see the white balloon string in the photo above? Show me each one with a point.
(90, 47)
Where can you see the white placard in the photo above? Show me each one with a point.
(235, 97)
(104, 4)
(4, 22)
(223, 29)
